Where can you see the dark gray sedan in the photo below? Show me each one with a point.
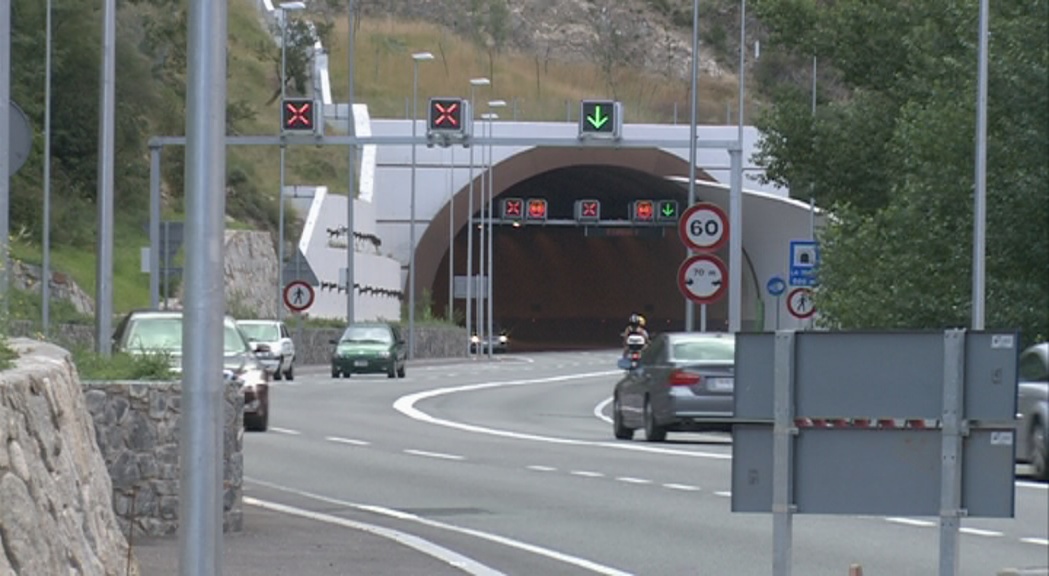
(684, 383)
(1032, 442)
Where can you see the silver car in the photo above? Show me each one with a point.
(1032, 442)
(684, 382)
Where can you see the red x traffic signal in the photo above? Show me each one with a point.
(446, 114)
(536, 209)
(588, 210)
(298, 115)
(513, 209)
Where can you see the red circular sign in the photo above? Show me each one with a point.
(703, 278)
(800, 304)
(703, 227)
(298, 296)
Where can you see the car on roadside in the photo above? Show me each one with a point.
(369, 348)
(1032, 406)
(161, 331)
(498, 341)
(683, 382)
(278, 353)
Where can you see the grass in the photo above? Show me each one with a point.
(123, 366)
(7, 356)
(541, 88)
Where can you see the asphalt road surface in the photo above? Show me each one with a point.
(512, 465)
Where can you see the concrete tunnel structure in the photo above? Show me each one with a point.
(557, 287)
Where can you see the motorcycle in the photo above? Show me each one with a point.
(635, 343)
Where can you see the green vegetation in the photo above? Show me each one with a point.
(7, 355)
(894, 159)
(123, 366)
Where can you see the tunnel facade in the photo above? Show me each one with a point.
(558, 286)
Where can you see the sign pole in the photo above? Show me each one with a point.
(5, 168)
(703, 318)
(690, 310)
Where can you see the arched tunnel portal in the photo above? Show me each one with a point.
(569, 287)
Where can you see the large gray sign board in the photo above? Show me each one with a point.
(870, 470)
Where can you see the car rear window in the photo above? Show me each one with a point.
(260, 331)
(709, 350)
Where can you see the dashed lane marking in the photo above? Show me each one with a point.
(350, 441)
(586, 474)
(631, 480)
(684, 487)
(285, 431)
(438, 455)
(541, 468)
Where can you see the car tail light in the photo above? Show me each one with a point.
(684, 378)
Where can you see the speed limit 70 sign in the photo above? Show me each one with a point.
(703, 227)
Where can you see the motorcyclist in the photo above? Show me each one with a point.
(635, 325)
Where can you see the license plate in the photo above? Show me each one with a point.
(722, 384)
(360, 362)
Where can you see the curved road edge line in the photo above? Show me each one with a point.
(439, 552)
(406, 405)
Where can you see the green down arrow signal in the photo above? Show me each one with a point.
(668, 210)
(597, 120)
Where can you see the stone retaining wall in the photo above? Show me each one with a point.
(56, 509)
(137, 431)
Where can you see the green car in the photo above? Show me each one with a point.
(369, 348)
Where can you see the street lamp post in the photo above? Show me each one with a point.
(690, 312)
(285, 7)
(474, 83)
(450, 314)
(416, 58)
(492, 104)
(45, 286)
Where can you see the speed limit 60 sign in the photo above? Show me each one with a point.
(703, 227)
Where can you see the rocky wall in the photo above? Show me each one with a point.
(137, 432)
(56, 509)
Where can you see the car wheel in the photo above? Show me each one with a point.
(392, 372)
(619, 429)
(258, 423)
(653, 431)
(1039, 452)
(335, 373)
(276, 373)
(400, 371)
(290, 374)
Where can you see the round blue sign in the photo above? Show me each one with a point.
(776, 286)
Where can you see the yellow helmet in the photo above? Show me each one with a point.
(640, 320)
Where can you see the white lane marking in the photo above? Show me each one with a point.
(285, 431)
(434, 455)
(1039, 541)
(509, 542)
(406, 405)
(979, 532)
(542, 468)
(599, 410)
(441, 553)
(586, 474)
(630, 480)
(350, 441)
(1036, 485)
(684, 487)
(724, 494)
(911, 522)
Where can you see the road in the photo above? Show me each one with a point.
(512, 464)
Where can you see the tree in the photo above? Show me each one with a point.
(894, 159)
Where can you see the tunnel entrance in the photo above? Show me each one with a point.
(558, 287)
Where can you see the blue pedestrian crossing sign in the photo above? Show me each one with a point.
(776, 286)
(804, 259)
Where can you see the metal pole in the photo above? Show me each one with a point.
(411, 224)
(5, 162)
(450, 315)
(45, 288)
(735, 239)
(980, 195)
(154, 226)
(814, 85)
(280, 187)
(201, 500)
(702, 317)
(491, 191)
(951, 450)
(104, 273)
(470, 234)
(783, 453)
(165, 239)
(481, 290)
(690, 311)
(351, 194)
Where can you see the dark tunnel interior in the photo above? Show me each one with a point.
(558, 287)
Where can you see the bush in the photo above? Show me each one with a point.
(124, 366)
(7, 355)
